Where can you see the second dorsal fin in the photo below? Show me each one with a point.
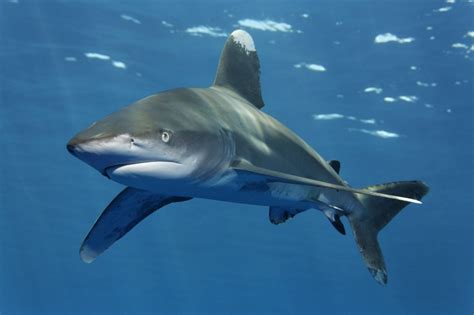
(239, 68)
(336, 165)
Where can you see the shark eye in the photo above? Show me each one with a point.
(165, 136)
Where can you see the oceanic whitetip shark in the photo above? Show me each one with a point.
(217, 143)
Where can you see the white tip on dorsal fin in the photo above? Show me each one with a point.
(244, 39)
(239, 68)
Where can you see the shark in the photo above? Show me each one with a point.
(217, 143)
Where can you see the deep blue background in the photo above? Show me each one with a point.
(209, 257)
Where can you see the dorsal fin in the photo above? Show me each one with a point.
(336, 165)
(239, 68)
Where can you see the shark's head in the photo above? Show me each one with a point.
(167, 137)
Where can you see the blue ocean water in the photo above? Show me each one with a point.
(396, 108)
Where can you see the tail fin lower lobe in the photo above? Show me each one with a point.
(375, 216)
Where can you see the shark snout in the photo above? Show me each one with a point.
(104, 154)
(71, 148)
(74, 146)
(81, 154)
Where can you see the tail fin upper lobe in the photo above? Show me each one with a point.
(376, 214)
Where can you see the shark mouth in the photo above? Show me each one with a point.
(160, 170)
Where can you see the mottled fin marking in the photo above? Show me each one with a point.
(279, 215)
(239, 68)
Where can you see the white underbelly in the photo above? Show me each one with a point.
(228, 186)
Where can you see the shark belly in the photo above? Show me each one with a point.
(228, 186)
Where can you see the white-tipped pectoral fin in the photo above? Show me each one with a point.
(128, 209)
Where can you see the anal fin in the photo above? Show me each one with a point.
(334, 217)
(338, 224)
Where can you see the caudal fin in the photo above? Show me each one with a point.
(376, 214)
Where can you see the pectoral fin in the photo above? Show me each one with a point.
(275, 176)
(129, 208)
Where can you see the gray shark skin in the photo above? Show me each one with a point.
(217, 143)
